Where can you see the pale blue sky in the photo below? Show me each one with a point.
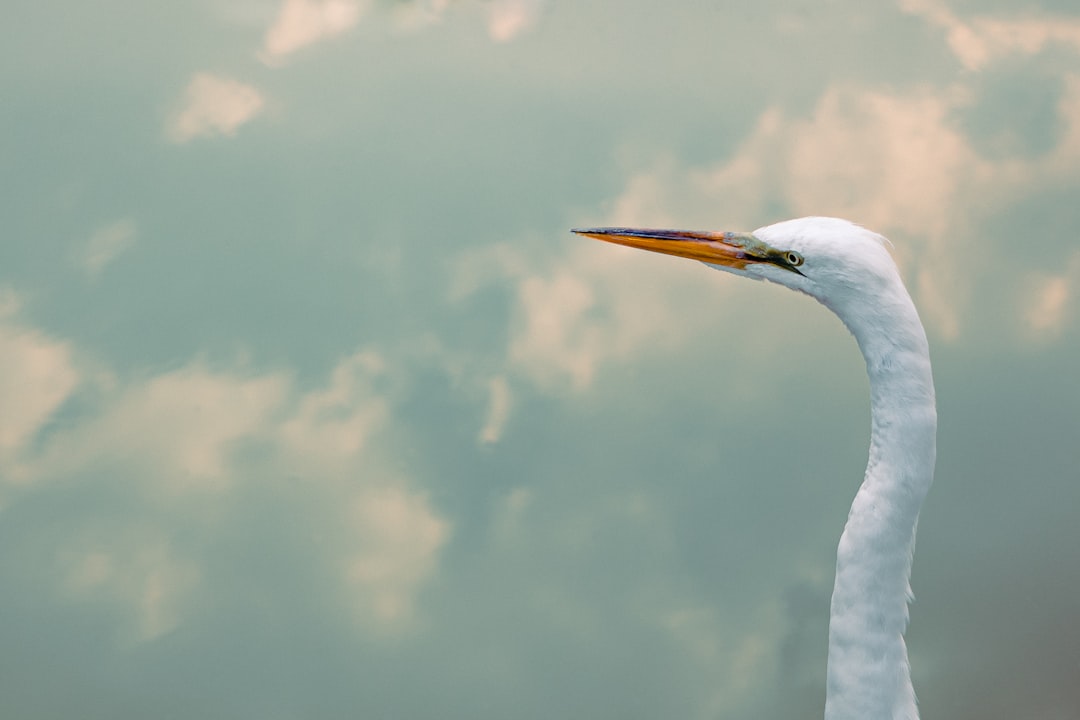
(311, 407)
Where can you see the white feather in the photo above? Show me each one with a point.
(849, 270)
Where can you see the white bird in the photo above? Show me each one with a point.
(849, 270)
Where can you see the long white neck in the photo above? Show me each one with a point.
(868, 671)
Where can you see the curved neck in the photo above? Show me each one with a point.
(868, 672)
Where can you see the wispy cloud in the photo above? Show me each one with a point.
(37, 373)
(1047, 312)
(506, 20)
(304, 22)
(301, 23)
(417, 14)
(980, 40)
(105, 245)
(214, 105)
(1051, 300)
(498, 410)
(135, 570)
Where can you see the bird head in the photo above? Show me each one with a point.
(830, 259)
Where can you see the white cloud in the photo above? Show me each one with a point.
(509, 18)
(390, 535)
(177, 428)
(556, 336)
(498, 410)
(37, 373)
(980, 40)
(506, 20)
(894, 161)
(742, 659)
(1048, 313)
(106, 244)
(1063, 162)
(398, 539)
(176, 441)
(334, 424)
(597, 305)
(214, 106)
(889, 161)
(136, 569)
(303, 22)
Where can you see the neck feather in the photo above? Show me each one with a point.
(868, 672)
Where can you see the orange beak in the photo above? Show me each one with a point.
(717, 248)
(729, 249)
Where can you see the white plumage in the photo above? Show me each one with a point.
(849, 270)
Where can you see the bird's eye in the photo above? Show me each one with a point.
(793, 258)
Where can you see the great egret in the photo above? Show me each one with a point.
(848, 269)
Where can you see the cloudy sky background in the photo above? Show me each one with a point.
(310, 407)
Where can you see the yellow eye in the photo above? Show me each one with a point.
(793, 258)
